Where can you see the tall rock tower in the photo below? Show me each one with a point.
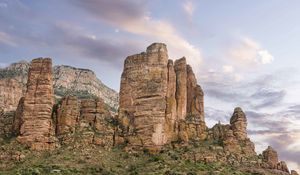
(158, 99)
(36, 128)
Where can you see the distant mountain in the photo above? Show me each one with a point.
(66, 80)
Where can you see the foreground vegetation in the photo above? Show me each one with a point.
(69, 160)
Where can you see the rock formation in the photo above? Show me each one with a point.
(17, 122)
(67, 117)
(12, 85)
(293, 172)
(238, 124)
(161, 105)
(155, 96)
(87, 121)
(67, 80)
(36, 129)
(234, 136)
(270, 160)
(270, 157)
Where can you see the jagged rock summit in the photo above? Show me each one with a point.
(160, 101)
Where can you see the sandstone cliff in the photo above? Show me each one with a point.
(159, 102)
(36, 129)
(67, 80)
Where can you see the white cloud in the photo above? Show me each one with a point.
(161, 31)
(228, 69)
(249, 51)
(265, 57)
(188, 7)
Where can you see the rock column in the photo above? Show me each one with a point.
(36, 129)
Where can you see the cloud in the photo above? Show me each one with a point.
(265, 57)
(188, 7)
(233, 89)
(268, 97)
(77, 40)
(133, 17)
(248, 52)
(228, 69)
(7, 39)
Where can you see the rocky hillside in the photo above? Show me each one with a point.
(67, 80)
(160, 127)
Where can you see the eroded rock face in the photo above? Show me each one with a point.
(67, 117)
(155, 96)
(17, 123)
(37, 130)
(171, 108)
(238, 123)
(270, 160)
(270, 157)
(144, 85)
(181, 87)
(96, 123)
(83, 122)
(234, 136)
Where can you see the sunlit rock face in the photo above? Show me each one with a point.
(155, 96)
(37, 129)
(238, 123)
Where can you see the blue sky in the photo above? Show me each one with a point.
(245, 53)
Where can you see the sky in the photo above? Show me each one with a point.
(244, 53)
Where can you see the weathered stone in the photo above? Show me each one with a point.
(196, 127)
(293, 172)
(181, 87)
(233, 137)
(171, 116)
(270, 157)
(144, 85)
(67, 117)
(37, 130)
(10, 92)
(282, 166)
(17, 123)
(218, 132)
(238, 123)
(155, 96)
(95, 117)
(231, 144)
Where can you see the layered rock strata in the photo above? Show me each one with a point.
(233, 136)
(36, 130)
(160, 101)
(67, 117)
(85, 121)
(270, 160)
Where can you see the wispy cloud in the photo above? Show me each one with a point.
(188, 7)
(133, 17)
(248, 51)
